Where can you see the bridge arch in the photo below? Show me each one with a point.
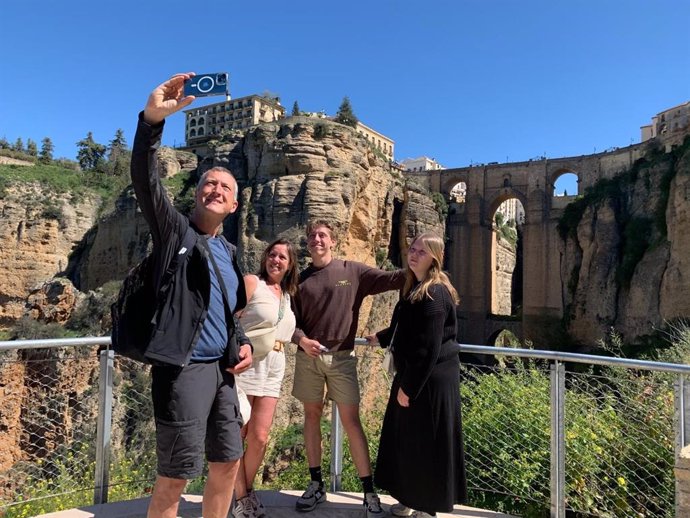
(565, 181)
(471, 237)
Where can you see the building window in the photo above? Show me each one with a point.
(201, 121)
(192, 133)
(201, 131)
(193, 122)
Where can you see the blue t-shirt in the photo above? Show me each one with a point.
(214, 333)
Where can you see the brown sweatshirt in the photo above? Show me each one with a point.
(329, 298)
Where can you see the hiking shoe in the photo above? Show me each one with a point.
(315, 494)
(372, 506)
(243, 508)
(401, 510)
(257, 506)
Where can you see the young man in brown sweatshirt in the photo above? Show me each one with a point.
(327, 306)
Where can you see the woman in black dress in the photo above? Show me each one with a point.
(420, 459)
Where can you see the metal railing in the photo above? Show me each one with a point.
(567, 413)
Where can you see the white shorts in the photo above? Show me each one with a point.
(265, 376)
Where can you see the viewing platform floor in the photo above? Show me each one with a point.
(279, 504)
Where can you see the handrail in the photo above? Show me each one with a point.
(478, 349)
(557, 484)
(8, 345)
(577, 358)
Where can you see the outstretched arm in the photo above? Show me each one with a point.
(167, 98)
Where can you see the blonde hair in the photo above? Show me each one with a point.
(435, 246)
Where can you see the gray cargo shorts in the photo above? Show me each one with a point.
(196, 410)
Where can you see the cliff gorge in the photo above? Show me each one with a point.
(625, 250)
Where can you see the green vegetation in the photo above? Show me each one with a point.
(46, 155)
(182, 186)
(56, 179)
(637, 234)
(441, 205)
(65, 481)
(320, 130)
(19, 155)
(90, 153)
(383, 261)
(345, 115)
(506, 230)
(619, 438)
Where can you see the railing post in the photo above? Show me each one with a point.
(557, 440)
(682, 407)
(681, 423)
(104, 426)
(336, 449)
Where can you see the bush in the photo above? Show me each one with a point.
(441, 205)
(320, 131)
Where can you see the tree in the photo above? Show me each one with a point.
(118, 144)
(4, 144)
(46, 155)
(118, 155)
(295, 109)
(90, 154)
(31, 148)
(19, 145)
(345, 114)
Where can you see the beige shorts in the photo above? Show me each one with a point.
(265, 376)
(337, 372)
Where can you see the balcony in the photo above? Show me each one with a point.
(601, 438)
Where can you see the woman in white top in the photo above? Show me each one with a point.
(268, 305)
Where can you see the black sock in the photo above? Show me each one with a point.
(315, 474)
(367, 484)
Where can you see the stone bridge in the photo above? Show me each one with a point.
(471, 250)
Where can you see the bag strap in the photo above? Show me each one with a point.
(281, 309)
(223, 289)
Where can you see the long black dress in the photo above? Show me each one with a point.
(421, 460)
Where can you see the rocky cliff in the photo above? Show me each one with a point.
(289, 172)
(626, 249)
(38, 231)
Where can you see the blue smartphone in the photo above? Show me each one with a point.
(202, 85)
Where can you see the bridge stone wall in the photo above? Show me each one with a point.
(472, 240)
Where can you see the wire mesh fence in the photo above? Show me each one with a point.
(618, 434)
(49, 414)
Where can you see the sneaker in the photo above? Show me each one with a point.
(243, 508)
(372, 506)
(421, 514)
(315, 494)
(257, 506)
(401, 510)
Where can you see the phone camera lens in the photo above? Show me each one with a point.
(205, 84)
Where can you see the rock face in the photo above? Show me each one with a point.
(627, 261)
(505, 266)
(298, 170)
(38, 231)
(53, 302)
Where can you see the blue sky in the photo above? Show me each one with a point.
(461, 81)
